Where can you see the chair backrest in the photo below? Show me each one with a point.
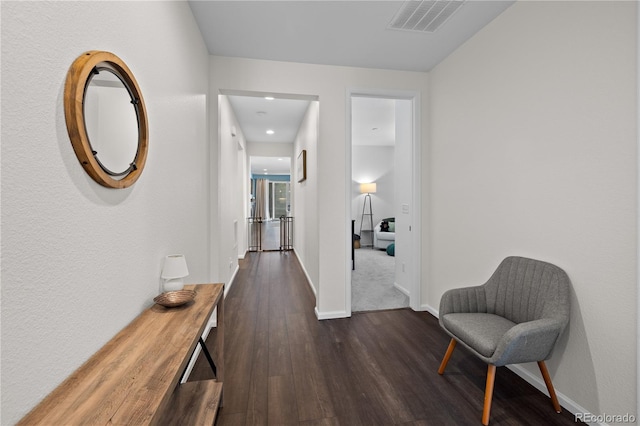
(523, 289)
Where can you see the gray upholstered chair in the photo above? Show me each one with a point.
(515, 317)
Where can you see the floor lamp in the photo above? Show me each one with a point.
(367, 188)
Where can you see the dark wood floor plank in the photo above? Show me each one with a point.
(258, 385)
(282, 407)
(400, 398)
(258, 392)
(233, 419)
(417, 389)
(279, 354)
(239, 371)
(283, 366)
(330, 421)
(373, 368)
(312, 393)
(359, 395)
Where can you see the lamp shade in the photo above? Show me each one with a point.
(175, 266)
(368, 188)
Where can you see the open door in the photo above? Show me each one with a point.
(383, 154)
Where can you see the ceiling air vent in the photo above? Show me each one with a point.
(424, 16)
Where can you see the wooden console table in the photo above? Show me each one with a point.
(134, 378)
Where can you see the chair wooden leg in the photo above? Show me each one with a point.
(547, 381)
(447, 355)
(488, 393)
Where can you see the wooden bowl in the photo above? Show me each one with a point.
(170, 299)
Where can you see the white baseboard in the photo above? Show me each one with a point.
(430, 309)
(319, 315)
(231, 280)
(331, 315)
(306, 274)
(566, 402)
(402, 289)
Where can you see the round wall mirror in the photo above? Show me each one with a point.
(106, 119)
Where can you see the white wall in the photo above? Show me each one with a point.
(305, 196)
(243, 205)
(80, 261)
(330, 84)
(373, 164)
(232, 192)
(533, 153)
(270, 149)
(405, 255)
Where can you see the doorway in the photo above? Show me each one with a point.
(275, 223)
(270, 203)
(384, 200)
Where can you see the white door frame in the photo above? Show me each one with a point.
(415, 270)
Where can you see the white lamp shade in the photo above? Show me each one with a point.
(175, 266)
(368, 188)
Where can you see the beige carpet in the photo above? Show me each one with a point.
(372, 282)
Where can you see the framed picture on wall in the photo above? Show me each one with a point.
(301, 166)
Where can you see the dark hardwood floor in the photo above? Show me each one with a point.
(284, 367)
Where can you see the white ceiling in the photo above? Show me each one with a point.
(339, 32)
(348, 33)
(256, 115)
(373, 121)
(271, 165)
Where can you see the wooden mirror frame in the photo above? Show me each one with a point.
(75, 87)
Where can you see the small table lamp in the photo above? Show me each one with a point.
(173, 270)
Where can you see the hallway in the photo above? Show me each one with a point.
(284, 367)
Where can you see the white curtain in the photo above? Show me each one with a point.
(262, 199)
(267, 199)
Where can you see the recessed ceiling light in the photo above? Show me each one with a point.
(279, 159)
(269, 98)
(270, 132)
